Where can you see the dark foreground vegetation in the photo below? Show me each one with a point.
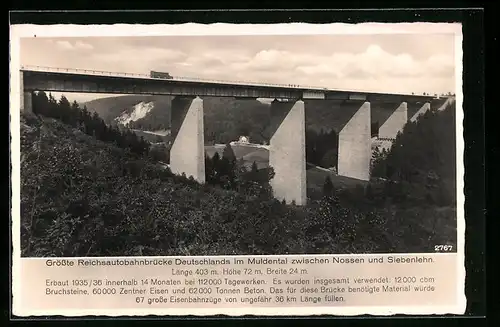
(84, 195)
(422, 161)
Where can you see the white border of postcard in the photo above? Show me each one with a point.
(19, 31)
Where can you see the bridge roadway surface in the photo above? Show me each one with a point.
(91, 81)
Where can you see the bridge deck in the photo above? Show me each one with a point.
(109, 82)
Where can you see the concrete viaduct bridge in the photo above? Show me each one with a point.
(287, 144)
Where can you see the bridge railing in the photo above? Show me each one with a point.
(247, 82)
(80, 71)
(179, 78)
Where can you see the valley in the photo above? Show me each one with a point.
(105, 194)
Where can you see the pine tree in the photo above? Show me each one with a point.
(253, 176)
(228, 165)
(254, 168)
(74, 114)
(224, 168)
(75, 105)
(40, 103)
(52, 107)
(228, 153)
(216, 158)
(64, 110)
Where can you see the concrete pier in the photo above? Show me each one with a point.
(421, 111)
(187, 152)
(355, 145)
(449, 101)
(395, 123)
(287, 152)
(27, 102)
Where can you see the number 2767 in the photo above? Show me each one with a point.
(443, 248)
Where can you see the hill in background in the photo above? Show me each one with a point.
(225, 119)
(113, 108)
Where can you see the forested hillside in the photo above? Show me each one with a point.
(86, 193)
(422, 159)
(87, 122)
(88, 188)
(84, 197)
(226, 119)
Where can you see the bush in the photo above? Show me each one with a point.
(160, 152)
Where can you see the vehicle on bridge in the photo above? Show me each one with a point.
(163, 75)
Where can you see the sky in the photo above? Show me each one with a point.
(379, 63)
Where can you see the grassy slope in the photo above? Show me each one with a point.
(83, 197)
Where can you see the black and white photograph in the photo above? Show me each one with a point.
(198, 145)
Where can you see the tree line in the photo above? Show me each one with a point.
(422, 159)
(89, 123)
(148, 126)
(230, 173)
